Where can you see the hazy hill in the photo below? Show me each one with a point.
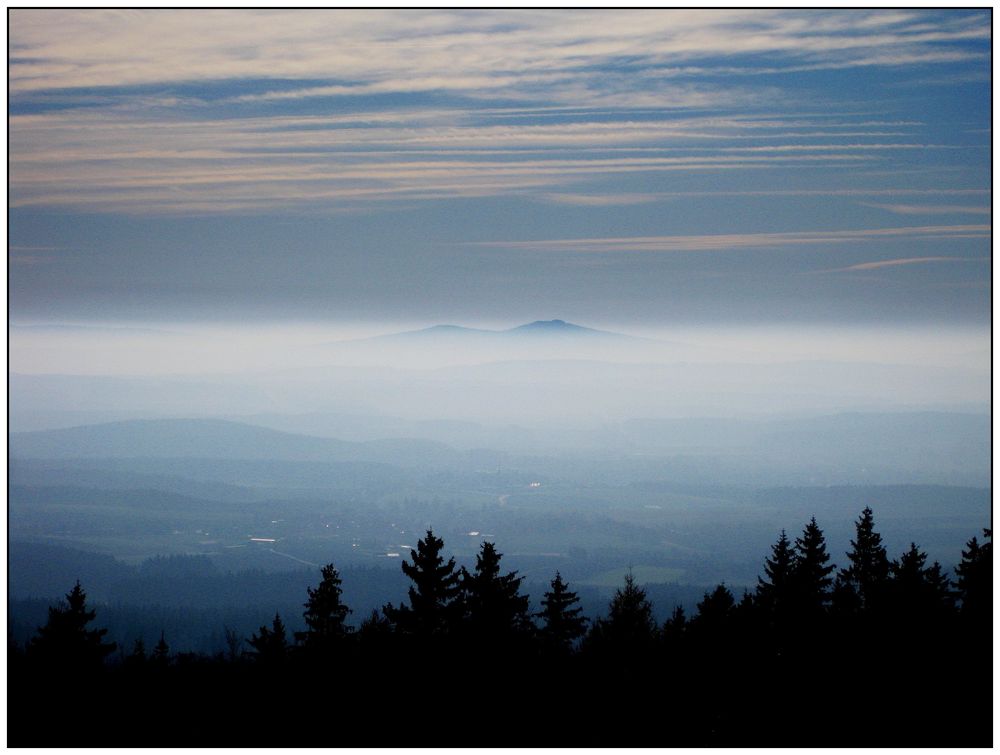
(454, 344)
(538, 328)
(920, 447)
(217, 439)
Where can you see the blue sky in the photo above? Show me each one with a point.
(642, 167)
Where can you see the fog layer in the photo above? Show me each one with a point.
(65, 375)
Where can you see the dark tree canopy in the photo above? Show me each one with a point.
(492, 603)
(161, 653)
(810, 579)
(434, 596)
(65, 639)
(375, 627)
(915, 674)
(918, 590)
(675, 627)
(270, 646)
(715, 610)
(630, 624)
(562, 623)
(138, 654)
(864, 581)
(975, 578)
(325, 612)
(774, 592)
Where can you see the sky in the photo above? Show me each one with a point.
(625, 168)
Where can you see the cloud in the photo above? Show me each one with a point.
(166, 111)
(29, 259)
(922, 209)
(736, 241)
(610, 200)
(898, 262)
(122, 161)
(599, 200)
(394, 50)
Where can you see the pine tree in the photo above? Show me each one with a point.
(675, 626)
(434, 607)
(492, 603)
(233, 641)
(375, 628)
(65, 641)
(138, 655)
(270, 646)
(161, 653)
(715, 611)
(630, 621)
(918, 592)
(747, 608)
(325, 613)
(747, 624)
(867, 576)
(774, 593)
(562, 623)
(810, 577)
(975, 579)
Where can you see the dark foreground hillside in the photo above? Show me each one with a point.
(881, 652)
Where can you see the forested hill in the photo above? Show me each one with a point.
(217, 439)
(887, 650)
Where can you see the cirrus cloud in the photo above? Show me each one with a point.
(736, 241)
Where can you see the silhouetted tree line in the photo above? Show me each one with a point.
(877, 652)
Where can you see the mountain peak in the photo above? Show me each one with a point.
(448, 329)
(456, 335)
(551, 326)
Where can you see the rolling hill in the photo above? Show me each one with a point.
(218, 439)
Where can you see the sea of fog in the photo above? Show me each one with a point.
(69, 374)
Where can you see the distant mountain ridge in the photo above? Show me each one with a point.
(218, 439)
(546, 328)
(556, 326)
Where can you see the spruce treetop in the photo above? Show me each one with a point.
(810, 576)
(492, 601)
(65, 638)
(867, 573)
(325, 612)
(560, 615)
(434, 596)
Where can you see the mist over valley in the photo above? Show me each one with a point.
(499, 377)
(578, 449)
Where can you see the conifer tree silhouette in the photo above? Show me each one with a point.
(810, 578)
(728, 680)
(233, 642)
(138, 655)
(65, 641)
(863, 583)
(629, 625)
(376, 627)
(161, 653)
(975, 579)
(434, 607)
(918, 592)
(745, 624)
(675, 627)
(270, 646)
(325, 613)
(747, 608)
(378, 642)
(562, 623)
(492, 603)
(715, 611)
(713, 629)
(774, 593)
